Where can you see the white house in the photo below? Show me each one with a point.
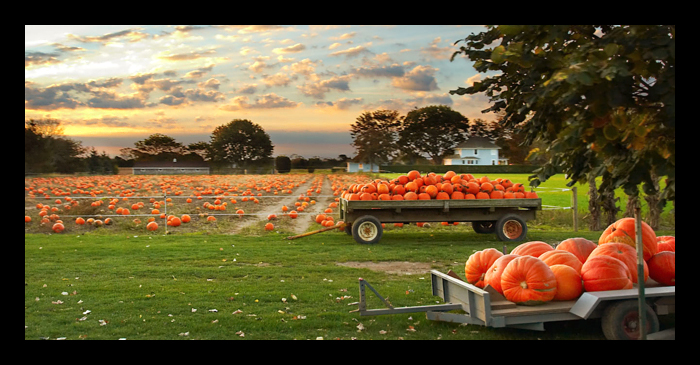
(476, 151)
(362, 166)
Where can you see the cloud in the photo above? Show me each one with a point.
(49, 98)
(420, 78)
(128, 35)
(438, 53)
(342, 103)
(291, 49)
(188, 56)
(40, 58)
(267, 101)
(380, 71)
(319, 88)
(351, 52)
(105, 99)
(278, 79)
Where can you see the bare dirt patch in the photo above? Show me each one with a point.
(391, 267)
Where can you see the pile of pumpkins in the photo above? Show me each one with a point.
(535, 272)
(450, 185)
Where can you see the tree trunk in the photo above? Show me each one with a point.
(609, 204)
(593, 204)
(653, 200)
(632, 201)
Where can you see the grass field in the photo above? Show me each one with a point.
(134, 284)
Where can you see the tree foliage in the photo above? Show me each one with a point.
(601, 97)
(240, 142)
(433, 130)
(374, 135)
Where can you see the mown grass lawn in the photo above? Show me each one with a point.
(261, 287)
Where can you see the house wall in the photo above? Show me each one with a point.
(171, 170)
(361, 166)
(485, 156)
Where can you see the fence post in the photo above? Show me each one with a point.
(165, 212)
(574, 205)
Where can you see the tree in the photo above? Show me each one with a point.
(601, 97)
(374, 135)
(283, 164)
(433, 130)
(158, 146)
(240, 142)
(47, 150)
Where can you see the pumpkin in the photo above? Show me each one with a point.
(152, 226)
(578, 246)
(532, 248)
(528, 280)
(561, 257)
(666, 243)
(662, 268)
(493, 274)
(269, 227)
(478, 263)
(185, 218)
(58, 227)
(569, 283)
(624, 253)
(603, 272)
(623, 231)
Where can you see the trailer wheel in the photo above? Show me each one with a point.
(367, 229)
(484, 226)
(511, 227)
(620, 320)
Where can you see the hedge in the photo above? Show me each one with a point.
(462, 169)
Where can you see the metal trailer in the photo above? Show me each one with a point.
(618, 309)
(505, 217)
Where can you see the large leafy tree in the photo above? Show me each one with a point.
(374, 135)
(46, 149)
(602, 97)
(434, 131)
(240, 142)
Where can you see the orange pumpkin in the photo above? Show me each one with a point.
(578, 246)
(662, 268)
(269, 227)
(666, 243)
(561, 257)
(623, 231)
(532, 248)
(478, 264)
(493, 274)
(152, 226)
(569, 283)
(624, 253)
(603, 272)
(528, 280)
(185, 218)
(58, 227)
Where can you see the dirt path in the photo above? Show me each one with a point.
(305, 218)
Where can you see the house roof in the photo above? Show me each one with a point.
(477, 142)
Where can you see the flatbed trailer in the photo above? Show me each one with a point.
(468, 304)
(505, 217)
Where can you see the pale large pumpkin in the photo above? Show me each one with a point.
(532, 248)
(561, 257)
(569, 283)
(493, 274)
(603, 272)
(662, 268)
(578, 246)
(624, 253)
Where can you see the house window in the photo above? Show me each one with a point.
(462, 162)
(476, 152)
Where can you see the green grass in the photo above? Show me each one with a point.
(146, 286)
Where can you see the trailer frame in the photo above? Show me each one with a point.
(486, 307)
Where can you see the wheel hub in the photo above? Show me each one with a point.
(512, 229)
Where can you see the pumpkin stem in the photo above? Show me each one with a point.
(523, 284)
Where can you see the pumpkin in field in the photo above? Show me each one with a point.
(152, 226)
(532, 248)
(662, 268)
(623, 231)
(666, 243)
(185, 218)
(603, 272)
(561, 257)
(578, 246)
(269, 227)
(569, 283)
(624, 253)
(58, 227)
(493, 275)
(528, 280)
(477, 265)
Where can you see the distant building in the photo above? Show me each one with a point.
(362, 167)
(173, 167)
(476, 151)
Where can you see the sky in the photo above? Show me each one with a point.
(304, 85)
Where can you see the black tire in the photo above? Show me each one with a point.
(367, 230)
(511, 228)
(484, 226)
(620, 320)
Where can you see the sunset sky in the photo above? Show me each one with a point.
(305, 85)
